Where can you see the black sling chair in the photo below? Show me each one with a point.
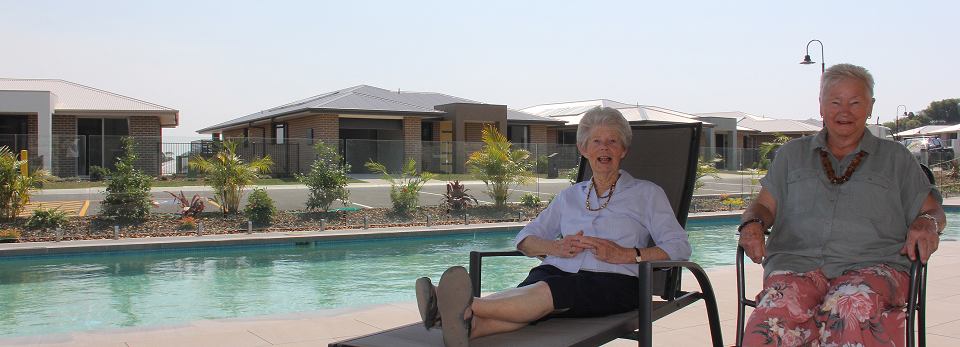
(916, 298)
(664, 154)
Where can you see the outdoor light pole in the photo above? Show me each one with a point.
(807, 61)
(895, 137)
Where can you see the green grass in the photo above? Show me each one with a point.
(157, 183)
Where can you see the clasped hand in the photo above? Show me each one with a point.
(603, 250)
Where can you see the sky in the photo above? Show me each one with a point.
(216, 61)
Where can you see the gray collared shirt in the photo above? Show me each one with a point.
(839, 227)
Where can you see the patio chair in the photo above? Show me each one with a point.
(916, 297)
(664, 154)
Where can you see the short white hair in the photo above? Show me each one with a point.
(604, 116)
(842, 72)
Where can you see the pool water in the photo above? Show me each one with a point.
(54, 294)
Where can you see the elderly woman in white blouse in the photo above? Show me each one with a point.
(592, 234)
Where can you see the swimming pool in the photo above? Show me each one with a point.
(52, 294)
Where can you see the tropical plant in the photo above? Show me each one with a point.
(260, 208)
(530, 200)
(767, 147)
(188, 208)
(327, 179)
(404, 192)
(15, 188)
(500, 167)
(229, 175)
(44, 218)
(128, 194)
(706, 168)
(98, 173)
(755, 175)
(456, 197)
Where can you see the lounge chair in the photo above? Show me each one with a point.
(916, 299)
(663, 154)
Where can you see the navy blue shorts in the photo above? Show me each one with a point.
(587, 293)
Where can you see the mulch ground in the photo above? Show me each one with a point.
(97, 227)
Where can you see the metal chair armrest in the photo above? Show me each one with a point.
(476, 262)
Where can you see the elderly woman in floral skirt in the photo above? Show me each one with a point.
(848, 212)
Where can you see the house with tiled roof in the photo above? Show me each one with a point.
(68, 127)
(386, 126)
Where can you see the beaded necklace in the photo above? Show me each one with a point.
(608, 196)
(846, 175)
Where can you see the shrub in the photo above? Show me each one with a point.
(44, 218)
(128, 194)
(327, 179)
(188, 223)
(706, 167)
(530, 200)
(259, 208)
(9, 234)
(15, 188)
(572, 175)
(405, 192)
(500, 167)
(98, 173)
(456, 197)
(543, 165)
(229, 175)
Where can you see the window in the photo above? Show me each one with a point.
(518, 133)
(309, 136)
(279, 133)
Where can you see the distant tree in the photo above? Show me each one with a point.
(913, 124)
(946, 110)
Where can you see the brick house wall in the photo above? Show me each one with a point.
(64, 130)
(551, 136)
(412, 147)
(473, 132)
(326, 128)
(539, 134)
(232, 133)
(146, 132)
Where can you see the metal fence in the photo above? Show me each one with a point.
(73, 155)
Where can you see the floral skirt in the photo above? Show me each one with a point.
(858, 308)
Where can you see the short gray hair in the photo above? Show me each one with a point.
(840, 72)
(604, 116)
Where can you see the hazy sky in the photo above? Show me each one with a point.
(215, 61)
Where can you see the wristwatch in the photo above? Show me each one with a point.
(639, 257)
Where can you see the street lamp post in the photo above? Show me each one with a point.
(895, 137)
(807, 61)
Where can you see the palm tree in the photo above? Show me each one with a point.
(229, 175)
(767, 147)
(500, 167)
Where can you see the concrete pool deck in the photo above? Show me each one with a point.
(687, 327)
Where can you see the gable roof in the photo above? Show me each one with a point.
(572, 112)
(765, 124)
(364, 99)
(73, 97)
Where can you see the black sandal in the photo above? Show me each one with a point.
(427, 302)
(454, 297)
